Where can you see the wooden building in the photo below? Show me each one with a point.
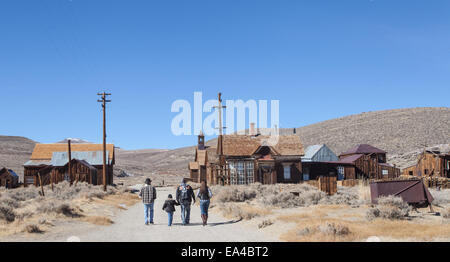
(82, 171)
(431, 163)
(245, 159)
(51, 161)
(366, 162)
(8, 178)
(318, 161)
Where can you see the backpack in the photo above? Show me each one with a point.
(184, 193)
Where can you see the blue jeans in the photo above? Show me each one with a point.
(147, 208)
(185, 212)
(170, 216)
(204, 206)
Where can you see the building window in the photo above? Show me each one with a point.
(29, 180)
(385, 172)
(306, 174)
(250, 172)
(341, 172)
(287, 172)
(233, 174)
(241, 172)
(426, 171)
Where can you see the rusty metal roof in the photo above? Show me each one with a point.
(363, 149)
(45, 151)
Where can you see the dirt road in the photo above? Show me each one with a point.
(129, 226)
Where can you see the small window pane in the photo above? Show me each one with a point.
(287, 172)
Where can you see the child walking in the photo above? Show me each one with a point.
(169, 207)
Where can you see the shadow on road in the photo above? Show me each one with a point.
(210, 224)
(225, 223)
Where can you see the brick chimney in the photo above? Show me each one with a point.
(252, 130)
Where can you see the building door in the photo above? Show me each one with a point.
(66, 177)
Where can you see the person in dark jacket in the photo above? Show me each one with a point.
(169, 207)
(204, 194)
(185, 196)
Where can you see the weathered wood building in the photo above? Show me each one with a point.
(366, 162)
(8, 178)
(318, 161)
(52, 162)
(431, 163)
(245, 159)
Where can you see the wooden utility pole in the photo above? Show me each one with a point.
(69, 149)
(40, 182)
(104, 101)
(222, 170)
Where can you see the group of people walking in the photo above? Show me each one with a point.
(185, 197)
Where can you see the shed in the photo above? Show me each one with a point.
(8, 178)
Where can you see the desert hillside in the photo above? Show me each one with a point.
(403, 133)
(14, 152)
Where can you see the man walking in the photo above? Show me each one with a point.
(185, 196)
(148, 196)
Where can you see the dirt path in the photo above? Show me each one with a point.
(129, 226)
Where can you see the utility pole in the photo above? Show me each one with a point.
(103, 100)
(69, 157)
(222, 170)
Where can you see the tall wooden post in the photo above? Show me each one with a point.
(69, 149)
(221, 171)
(40, 182)
(104, 101)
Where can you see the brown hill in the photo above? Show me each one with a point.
(14, 152)
(400, 132)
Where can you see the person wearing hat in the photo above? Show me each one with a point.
(169, 207)
(148, 196)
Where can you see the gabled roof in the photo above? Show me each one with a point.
(312, 150)
(363, 149)
(45, 151)
(246, 145)
(94, 158)
(350, 159)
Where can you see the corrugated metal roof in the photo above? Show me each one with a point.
(310, 152)
(45, 151)
(37, 163)
(94, 158)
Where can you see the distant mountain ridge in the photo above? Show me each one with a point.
(400, 132)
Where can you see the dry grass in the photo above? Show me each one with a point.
(265, 223)
(441, 197)
(82, 202)
(98, 220)
(33, 229)
(389, 207)
(242, 211)
(397, 229)
(446, 213)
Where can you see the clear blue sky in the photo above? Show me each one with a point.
(321, 59)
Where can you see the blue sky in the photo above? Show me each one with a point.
(321, 59)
